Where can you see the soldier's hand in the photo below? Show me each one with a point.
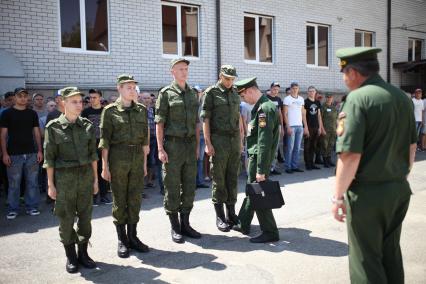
(289, 130)
(95, 187)
(106, 175)
(210, 150)
(162, 155)
(51, 191)
(146, 149)
(260, 177)
(339, 212)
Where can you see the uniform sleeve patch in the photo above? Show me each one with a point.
(341, 124)
(262, 120)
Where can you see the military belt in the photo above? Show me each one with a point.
(186, 139)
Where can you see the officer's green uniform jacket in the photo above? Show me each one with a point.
(222, 107)
(70, 148)
(125, 126)
(377, 121)
(263, 132)
(69, 144)
(178, 110)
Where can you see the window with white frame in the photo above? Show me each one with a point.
(180, 29)
(258, 38)
(415, 49)
(317, 42)
(365, 38)
(84, 25)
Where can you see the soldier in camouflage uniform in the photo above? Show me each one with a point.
(71, 164)
(262, 141)
(329, 120)
(124, 144)
(176, 115)
(220, 113)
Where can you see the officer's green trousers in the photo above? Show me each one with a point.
(74, 187)
(179, 174)
(265, 216)
(374, 218)
(126, 167)
(225, 165)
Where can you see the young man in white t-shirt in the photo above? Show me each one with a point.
(295, 121)
(418, 109)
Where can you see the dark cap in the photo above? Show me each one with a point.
(125, 78)
(245, 84)
(9, 94)
(20, 90)
(228, 71)
(178, 60)
(69, 92)
(328, 94)
(294, 84)
(275, 84)
(353, 55)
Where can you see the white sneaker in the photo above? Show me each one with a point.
(11, 215)
(33, 212)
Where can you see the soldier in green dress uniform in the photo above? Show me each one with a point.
(71, 164)
(262, 141)
(221, 116)
(376, 145)
(178, 134)
(125, 144)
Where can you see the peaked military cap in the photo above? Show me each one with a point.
(328, 94)
(178, 60)
(228, 71)
(21, 90)
(125, 78)
(245, 84)
(356, 54)
(69, 92)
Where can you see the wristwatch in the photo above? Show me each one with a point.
(336, 201)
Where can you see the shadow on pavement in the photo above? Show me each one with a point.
(291, 239)
(180, 260)
(112, 273)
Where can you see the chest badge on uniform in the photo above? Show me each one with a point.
(341, 124)
(262, 120)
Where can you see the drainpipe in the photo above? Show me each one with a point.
(218, 45)
(388, 42)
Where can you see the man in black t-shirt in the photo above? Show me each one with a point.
(22, 152)
(275, 98)
(93, 113)
(315, 127)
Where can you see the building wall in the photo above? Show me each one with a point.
(30, 30)
(406, 13)
(290, 18)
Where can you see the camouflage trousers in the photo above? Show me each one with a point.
(127, 174)
(224, 167)
(74, 187)
(327, 142)
(179, 174)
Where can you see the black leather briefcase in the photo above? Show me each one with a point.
(265, 195)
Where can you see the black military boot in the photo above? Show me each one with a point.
(326, 165)
(72, 262)
(220, 218)
(123, 242)
(330, 163)
(186, 228)
(84, 258)
(231, 217)
(134, 242)
(176, 230)
(318, 159)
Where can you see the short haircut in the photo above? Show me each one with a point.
(37, 95)
(95, 91)
(312, 87)
(287, 89)
(365, 68)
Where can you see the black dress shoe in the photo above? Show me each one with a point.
(203, 185)
(315, 167)
(289, 171)
(275, 172)
(308, 168)
(264, 238)
(297, 170)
